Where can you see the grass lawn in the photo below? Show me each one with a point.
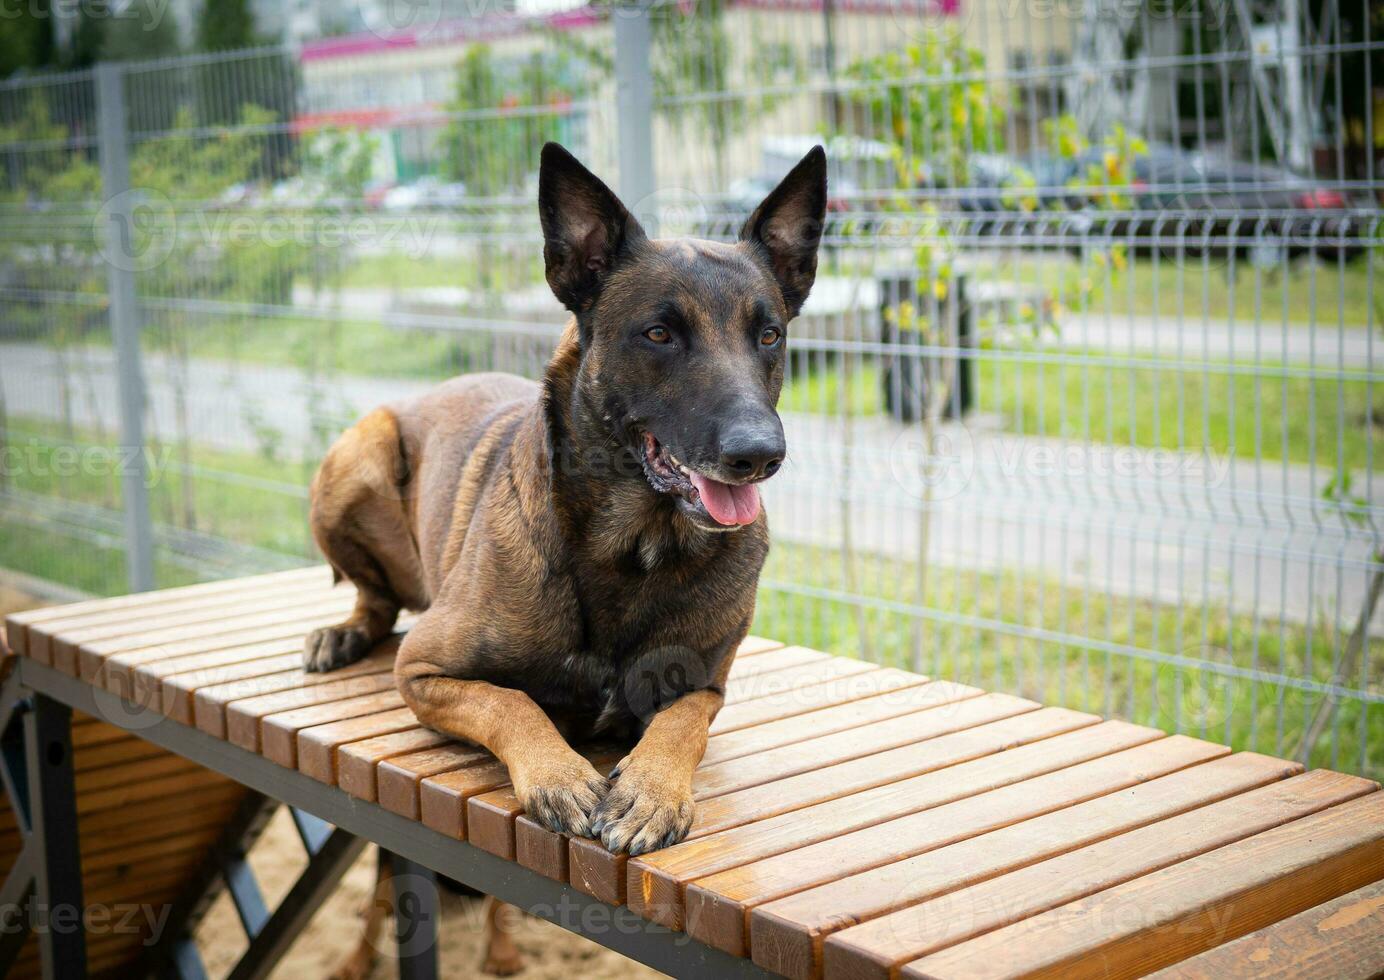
(1323, 293)
(256, 500)
(322, 348)
(1245, 713)
(1298, 419)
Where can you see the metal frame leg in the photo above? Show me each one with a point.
(53, 834)
(43, 891)
(417, 913)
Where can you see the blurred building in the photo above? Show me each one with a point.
(783, 58)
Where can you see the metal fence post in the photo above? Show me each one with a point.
(634, 105)
(115, 230)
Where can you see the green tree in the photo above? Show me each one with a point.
(492, 154)
(226, 25)
(26, 43)
(84, 49)
(143, 29)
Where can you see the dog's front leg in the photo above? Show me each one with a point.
(650, 804)
(557, 786)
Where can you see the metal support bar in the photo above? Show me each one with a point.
(173, 948)
(13, 768)
(187, 960)
(53, 838)
(246, 895)
(312, 831)
(121, 249)
(316, 883)
(14, 899)
(634, 104)
(417, 913)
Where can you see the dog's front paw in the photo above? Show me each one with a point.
(561, 794)
(645, 810)
(334, 646)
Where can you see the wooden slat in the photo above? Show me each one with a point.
(443, 799)
(179, 813)
(66, 637)
(945, 768)
(717, 908)
(69, 631)
(878, 948)
(279, 732)
(105, 777)
(752, 645)
(787, 933)
(748, 712)
(318, 744)
(356, 762)
(18, 623)
(175, 812)
(490, 816)
(1160, 918)
(1342, 939)
(397, 780)
(812, 753)
(177, 692)
(111, 665)
(834, 706)
(119, 797)
(788, 681)
(134, 852)
(597, 872)
(775, 660)
(114, 753)
(244, 717)
(179, 679)
(211, 703)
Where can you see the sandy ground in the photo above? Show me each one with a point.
(550, 953)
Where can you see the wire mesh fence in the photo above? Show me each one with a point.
(1083, 406)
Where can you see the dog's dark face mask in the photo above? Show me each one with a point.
(683, 341)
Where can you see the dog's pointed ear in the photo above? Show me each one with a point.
(787, 227)
(585, 228)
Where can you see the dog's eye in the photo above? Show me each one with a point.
(659, 334)
(770, 336)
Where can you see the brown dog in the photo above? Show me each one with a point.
(586, 550)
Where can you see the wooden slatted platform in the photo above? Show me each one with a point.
(852, 820)
(146, 817)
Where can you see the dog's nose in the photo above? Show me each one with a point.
(752, 450)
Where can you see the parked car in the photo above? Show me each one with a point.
(426, 193)
(1196, 203)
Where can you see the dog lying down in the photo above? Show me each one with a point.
(585, 551)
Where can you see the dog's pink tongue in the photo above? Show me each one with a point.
(728, 503)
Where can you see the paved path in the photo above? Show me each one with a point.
(842, 309)
(1150, 524)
